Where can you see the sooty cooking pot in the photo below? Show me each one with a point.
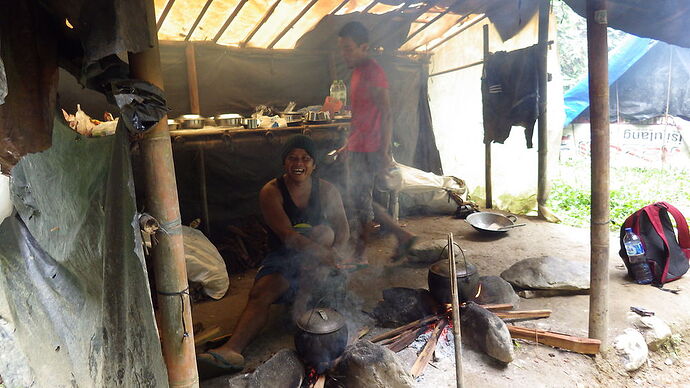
(439, 280)
(321, 338)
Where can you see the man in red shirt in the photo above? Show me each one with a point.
(369, 143)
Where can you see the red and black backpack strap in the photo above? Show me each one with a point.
(681, 225)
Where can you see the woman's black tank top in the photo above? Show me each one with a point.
(311, 215)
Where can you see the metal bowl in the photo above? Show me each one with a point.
(173, 125)
(250, 123)
(318, 116)
(491, 222)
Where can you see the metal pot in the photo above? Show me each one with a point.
(173, 125)
(229, 120)
(318, 116)
(492, 223)
(292, 117)
(439, 281)
(250, 123)
(321, 338)
(191, 121)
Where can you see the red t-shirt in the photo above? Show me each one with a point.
(365, 131)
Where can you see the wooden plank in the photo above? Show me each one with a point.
(390, 340)
(229, 20)
(192, 80)
(428, 351)
(487, 147)
(456, 68)
(411, 325)
(525, 314)
(164, 14)
(198, 19)
(206, 335)
(261, 23)
(558, 340)
(292, 23)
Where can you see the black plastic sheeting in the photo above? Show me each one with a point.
(665, 20)
(72, 270)
(661, 76)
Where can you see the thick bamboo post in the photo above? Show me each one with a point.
(195, 108)
(487, 147)
(175, 321)
(597, 51)
(542, 129)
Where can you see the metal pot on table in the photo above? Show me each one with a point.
(229, 120)
(439, 280)
(191, 121)
(492, 223)
(293, 118)
(321, 338)
(250, 123)
(318, 117)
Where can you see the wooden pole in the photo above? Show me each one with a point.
(542, 129)
(175, 323)
(487, 146)
(457, 336)
(195, 107)
(597, 51)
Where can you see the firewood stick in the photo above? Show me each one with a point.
(428, 351)
(404, 340)
(457, 335)
(497, 307)
(575, 344)
(406, 327)
(388, 341)
(524, 314)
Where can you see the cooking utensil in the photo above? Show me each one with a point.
(491, 223)
(321, 338)
(511, 227)
(229, 120)
(439, 280)
(318, 116)
(250, 123)
(191, 121)
(292, 116)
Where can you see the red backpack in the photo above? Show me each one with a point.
(667, 257)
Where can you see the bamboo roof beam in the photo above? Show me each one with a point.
(260, 24)
(370, 6)
(432, 21)
(229, 20)
(453, 35)
(164, 14)
(292, 23)
(198, 19)
(339, 7)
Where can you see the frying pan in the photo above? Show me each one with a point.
(492, 223)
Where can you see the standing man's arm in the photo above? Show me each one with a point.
(382, 100)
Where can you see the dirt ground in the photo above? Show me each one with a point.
(535, 365)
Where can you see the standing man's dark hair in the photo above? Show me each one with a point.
(355, 31)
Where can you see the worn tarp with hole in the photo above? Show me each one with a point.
(76, 307)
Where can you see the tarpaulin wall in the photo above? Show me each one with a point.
(76, 306)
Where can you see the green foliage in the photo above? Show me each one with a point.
(631, 189)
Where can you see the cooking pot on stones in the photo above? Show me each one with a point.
(229, 120)
(492, 223)
(439, 280)
(321, 338)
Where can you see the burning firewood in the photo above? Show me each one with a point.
(428, 351)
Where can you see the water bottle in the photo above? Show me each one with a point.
(636, 256)
(342, 92)
(334, 89)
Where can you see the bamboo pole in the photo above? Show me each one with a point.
(175, 321)
(542, 129)
(597, 51)
(487, 146)
(457, 334)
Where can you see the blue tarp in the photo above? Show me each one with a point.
(576, 99)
